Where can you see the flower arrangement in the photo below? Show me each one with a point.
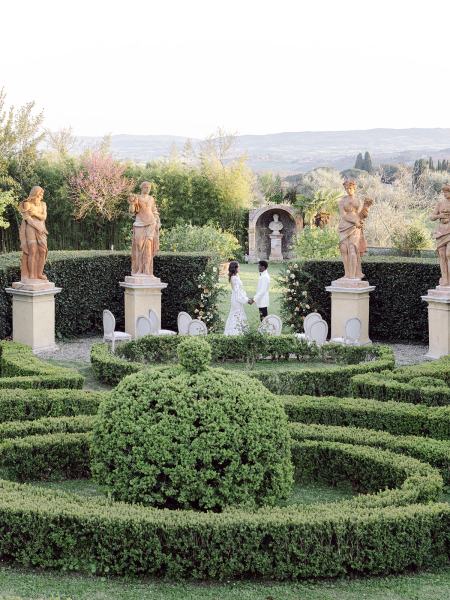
(206, 309)
(295, 302)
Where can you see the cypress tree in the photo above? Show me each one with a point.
(359, 162)
(439, 166)
(431, 164)
(367, 163)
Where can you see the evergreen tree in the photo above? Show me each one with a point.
(359, 162)
(439, 166)
(420, 166)
(367, 163)
(431, 164)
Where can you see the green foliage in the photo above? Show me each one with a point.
(316, 242)
(181, 439)
(296, 303)
(411, 238)
(395, 417)
(383, 386)
(396, 312)
(90, 283)
(19, 429)
(19, 368)
(434, 452)
(194, 355)
(271, 187)
(207, 238)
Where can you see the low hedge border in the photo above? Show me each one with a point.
(110, 368)
(26, 405)
(437, 368)
(378, 533)
(397, 418)
(384, 386)
(46, 425)
(431, 451)
(19, 368)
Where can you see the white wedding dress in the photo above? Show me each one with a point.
(237, 319)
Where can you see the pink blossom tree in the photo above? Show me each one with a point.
(99, 187)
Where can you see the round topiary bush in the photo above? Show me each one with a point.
(428, 382)
(190, 436)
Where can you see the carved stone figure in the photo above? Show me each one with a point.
(352, 244)
(33, 236)
(145, 244)
(276, 236)
(441, 213)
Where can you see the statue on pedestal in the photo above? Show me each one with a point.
(33, 237)
(352, 244)
(441, 213)
(145, 243)
(275, 227)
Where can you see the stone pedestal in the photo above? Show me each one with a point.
(34, 314)
(141, 294)
(438, 300)
(275, 246)
(350, 299)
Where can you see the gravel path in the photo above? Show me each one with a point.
(78, 351)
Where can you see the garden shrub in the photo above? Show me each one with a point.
(45, 425)
(90, 283)
(188, 437)
(207, 238)
(396, 311)
(395, 417)
(19, 368)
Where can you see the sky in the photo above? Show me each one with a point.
(187, 67)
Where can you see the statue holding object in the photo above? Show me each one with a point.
(145, 243)
(33, 236)
(352, 244)
(441, 213)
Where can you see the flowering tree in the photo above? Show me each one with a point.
(295, 303)
(99, 187)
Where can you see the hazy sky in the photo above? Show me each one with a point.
(187, 67)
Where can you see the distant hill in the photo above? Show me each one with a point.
(294, 152)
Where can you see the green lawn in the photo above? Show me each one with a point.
(249, 276)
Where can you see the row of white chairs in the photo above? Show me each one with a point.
(316, 330)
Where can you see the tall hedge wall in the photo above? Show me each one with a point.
(90, 283)
(396, 309)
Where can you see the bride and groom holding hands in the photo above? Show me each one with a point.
(237, 319)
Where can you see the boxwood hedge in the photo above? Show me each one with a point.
(90, 283)
(396, 309)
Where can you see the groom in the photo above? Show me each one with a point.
(261, 298)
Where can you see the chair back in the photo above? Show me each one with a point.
(353, 330)
(183, 321)
(318, 332)
(109, 323)
(309, 320)
(271, 325)
(197, 327)
(143, 327)
(154, 321)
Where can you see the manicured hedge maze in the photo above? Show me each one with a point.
(396, 523)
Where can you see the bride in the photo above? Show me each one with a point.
(237, 319)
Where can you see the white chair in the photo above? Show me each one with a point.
(318, 332)
(183, 321)
(307, 322)
(143, 327)
(353, 331)
(109, 330)
(197, 327)
(271, 325)
(153, 318)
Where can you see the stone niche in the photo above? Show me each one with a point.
(259, 244)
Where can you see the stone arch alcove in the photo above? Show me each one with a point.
(258, 230)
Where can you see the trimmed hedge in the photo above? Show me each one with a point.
(46, 425)
(396, 309)
(111, 369)
(381, 533)
(90, 283)
(383, 386)
(27, 405)
(397, 418)
(434, 452)
(19, 368)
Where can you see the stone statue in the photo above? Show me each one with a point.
(276, 226)
(276, 236)
(441, 213)
(352, 244)
(145, 243)
(33, 236)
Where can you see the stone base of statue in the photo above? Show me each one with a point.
(438, 300)
(142, 293)
(349, 299)
(275, 247)
(34, 313)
